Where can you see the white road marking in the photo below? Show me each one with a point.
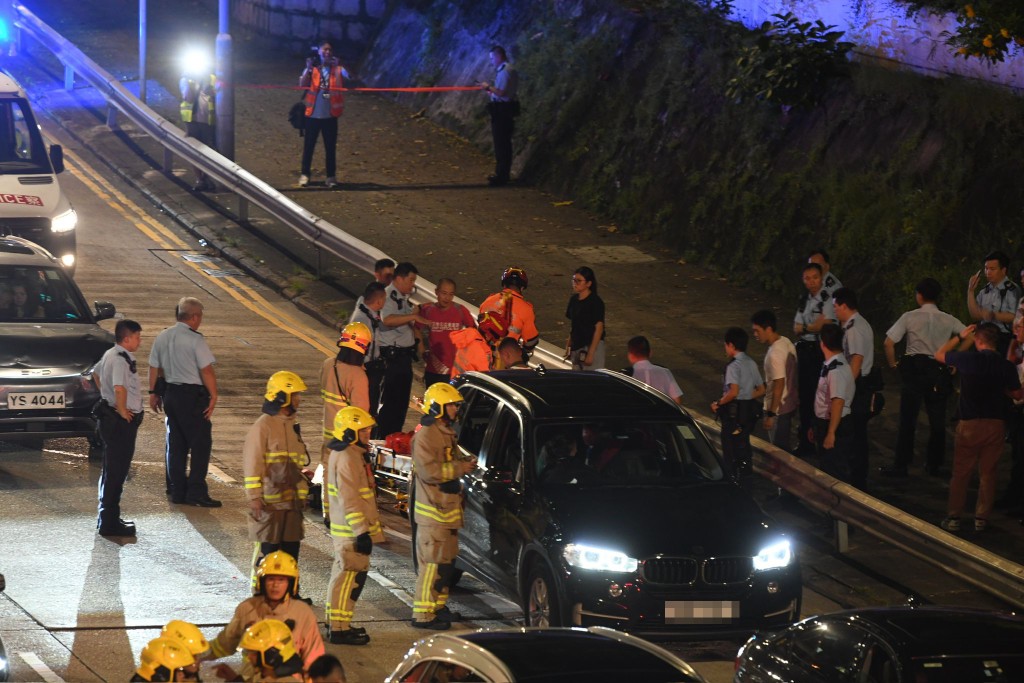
(40, 668)
(398, 534)
(219, 474)
(391, 586)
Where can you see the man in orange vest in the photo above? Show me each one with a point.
(325, 101)
(508, 314)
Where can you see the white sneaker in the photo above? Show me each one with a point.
(331, 181)
(303, 180)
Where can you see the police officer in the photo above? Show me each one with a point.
(163, 659)
(397, 343)
(832, 400)
(182, 382)
(859, 350)
(343, 380)
(120, 414)
(738, 407)
(924, 379)
(437, 510)
(198, 113)
(829, 282)
(997, 301)
(275, 464)
(354, 521)
(814, 311)
(368, 313)
(503, 108)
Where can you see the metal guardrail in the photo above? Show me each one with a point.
(987, 571)
(321, 233)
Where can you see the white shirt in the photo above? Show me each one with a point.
(780, 363)
(658, 377)
(926, 329)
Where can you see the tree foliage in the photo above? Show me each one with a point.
(989, 30)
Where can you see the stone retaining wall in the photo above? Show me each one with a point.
(298, 24)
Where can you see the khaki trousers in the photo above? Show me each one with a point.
(979, 445)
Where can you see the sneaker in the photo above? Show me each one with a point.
(349, 637)
(951, 524)
(980, 524)
(331, 182)
(434, 625)
(303, 180)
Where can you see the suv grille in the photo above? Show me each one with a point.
(670, 570)
(24, 227)
(683, 571)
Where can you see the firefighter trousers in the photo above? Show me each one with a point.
(436, 549)
(348, 576)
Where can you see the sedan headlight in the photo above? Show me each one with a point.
(774, 556)
(600, 559)
(65, 222)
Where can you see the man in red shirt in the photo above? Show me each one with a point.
(445, 317)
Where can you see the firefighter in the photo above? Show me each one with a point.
(472, 352)
(508, 314)
(192, 638)
(275, 463)
(354, 521)
(165, 659)
(268, 648)
(277, 579)
(437, 510)
(343, 381)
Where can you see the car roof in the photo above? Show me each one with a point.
(21, 252)
(9, 87)
(565, 393)
(932, 630)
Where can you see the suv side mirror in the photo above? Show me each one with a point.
(104, 310)
(3, 583)
(57, 158)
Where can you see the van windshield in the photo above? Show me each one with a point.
(21, 145)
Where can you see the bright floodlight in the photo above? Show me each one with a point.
(195, 63)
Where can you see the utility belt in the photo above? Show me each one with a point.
(744, 412)
(926, 373)
(806, 344)
(102, 410)
(395, 352)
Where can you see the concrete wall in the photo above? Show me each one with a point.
(349, 24)
(883, 30)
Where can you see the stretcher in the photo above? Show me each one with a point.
(391, 472)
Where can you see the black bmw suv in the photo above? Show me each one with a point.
(599, 502)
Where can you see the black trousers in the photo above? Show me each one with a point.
(924, 383)
(431, 378)
(859, 415)
(1015, 488)
(375, 376)
(737, 424)
(808, 366)
(118, 450)
(395, 398)
(503, 124)
(188, 431)
(834, 461)
(328, 130)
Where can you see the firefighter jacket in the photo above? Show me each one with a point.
(509, 306)
(351, 502)
(200, 99)
(435, 461)
(305, 633)
(272, 460)
(471, 351)
(342, 385)
(335, 83)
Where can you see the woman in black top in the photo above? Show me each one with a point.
(586, 311)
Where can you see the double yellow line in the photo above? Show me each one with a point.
(165, 239)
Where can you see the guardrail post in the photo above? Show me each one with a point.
(69, 77)
(319, 264)
(243, 209)
(112, 118)
(842, 535)
(168, 162)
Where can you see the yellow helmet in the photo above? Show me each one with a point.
(281, 386)
(438, 396)
(351, 419)
(272, 639)
(162, 657)
(356, 336)
(189, 635)
(278, 563)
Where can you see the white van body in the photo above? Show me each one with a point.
(32, 204)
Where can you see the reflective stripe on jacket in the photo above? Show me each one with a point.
(272, 461)
(306, 636)
(434, 463)
(334, 83)
(208, 93)
(351, 503)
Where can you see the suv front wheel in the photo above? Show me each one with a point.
(541, 606)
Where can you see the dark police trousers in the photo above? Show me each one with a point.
(808, 366)
(395, 394)
(187, 430)
(926, 381)
(738, 420)
(118, 449)
(502, 126)
(834, 461)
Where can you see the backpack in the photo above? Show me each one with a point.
(297, 117)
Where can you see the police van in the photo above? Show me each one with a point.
(32, 204)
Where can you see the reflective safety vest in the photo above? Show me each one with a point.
(208, 94)
(334, 84)
(472, 352)
(272, 460)
(351, 503)
(522, 321)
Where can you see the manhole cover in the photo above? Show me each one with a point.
(219, 272)
(619, 254)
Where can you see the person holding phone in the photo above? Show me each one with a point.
(325, 101)
(996, 303)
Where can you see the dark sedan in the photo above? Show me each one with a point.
(598, 502)
(49, 346)
(890, 645)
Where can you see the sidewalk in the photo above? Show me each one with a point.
(419, 193)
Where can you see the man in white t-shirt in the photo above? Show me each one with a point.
(780, 400)
(638, 351)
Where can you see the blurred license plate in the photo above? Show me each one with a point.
(40, 400)
(701, 611)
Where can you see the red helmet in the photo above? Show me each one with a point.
(514, 275)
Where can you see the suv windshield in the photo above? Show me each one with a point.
(21, 146)
(612, 452)
(39, 294)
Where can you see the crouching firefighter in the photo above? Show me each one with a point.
(353, 521)
(437, 510)
(268, 646)
(275, 464)
(165, 659)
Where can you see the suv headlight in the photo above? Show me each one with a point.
(600, 559)
(65, 222)
(774, 556)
